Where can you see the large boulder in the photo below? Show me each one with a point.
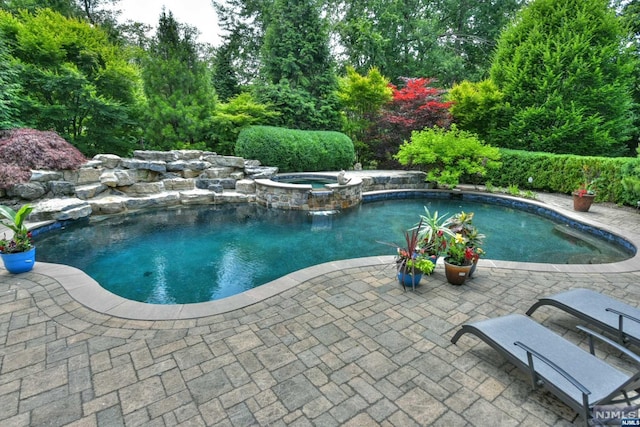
(89, 191)
(144, 188)
(178, 184)
(45, 176)
(152, 201)
(28, 191)
(156, 156)
(225, 161)
(62, 188)
(152, 165)
(60, 210)
(108, 161)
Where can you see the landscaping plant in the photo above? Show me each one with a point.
(448, 155)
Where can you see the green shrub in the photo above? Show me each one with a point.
(563, 173)
(239, 112)
(449, 155)
(631, 182)
(294, 150)
(478, 107)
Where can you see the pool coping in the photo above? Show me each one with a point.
(89, 293)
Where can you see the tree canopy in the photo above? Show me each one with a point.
(564, 75)
(72, 80)
(177, 84)
(565, 72)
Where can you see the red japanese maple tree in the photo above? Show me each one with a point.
(24, 149)
(415, 106)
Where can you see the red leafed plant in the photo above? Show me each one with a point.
(415, 106)
(24, 149)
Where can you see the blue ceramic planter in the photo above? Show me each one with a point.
(407, 279)
(20, 262)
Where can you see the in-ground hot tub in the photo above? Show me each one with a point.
(309, 192)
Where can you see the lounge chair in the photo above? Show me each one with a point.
(606, 313)
(578, 378)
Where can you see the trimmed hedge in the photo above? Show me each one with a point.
(563, 173)
(293, 150)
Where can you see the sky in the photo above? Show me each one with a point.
(197, 13)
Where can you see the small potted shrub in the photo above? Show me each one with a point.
(412, 262)
(17, 252)
(585, 194)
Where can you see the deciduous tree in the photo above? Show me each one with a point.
(415, 106)
(73, 80)
(362, 98)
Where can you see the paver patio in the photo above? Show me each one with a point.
(346, 347)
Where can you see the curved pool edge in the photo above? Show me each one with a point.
(86, 291)
(89, 293)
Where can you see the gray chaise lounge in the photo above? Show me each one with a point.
(597, 309)
(575, 376)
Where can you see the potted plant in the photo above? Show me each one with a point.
(584, 196)
(462, 223)
(433, 234)
(17, 253)
(411, 260)
(458, 260)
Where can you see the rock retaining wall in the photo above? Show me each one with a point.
(109, 184)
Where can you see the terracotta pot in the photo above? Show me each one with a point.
(456, 274)
(582, 203)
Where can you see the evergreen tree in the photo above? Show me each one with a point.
(564, 71)
(631, 17)
(178, 87)
(10, 86)
(297, 67)
(225, 81)
(243, 23)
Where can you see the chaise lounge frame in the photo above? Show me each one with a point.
(608, 314)
(575, 376)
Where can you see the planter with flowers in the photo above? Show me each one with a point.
(411, 261)
(584, 196)
(462, 223)
(458, 260)
(18, 253)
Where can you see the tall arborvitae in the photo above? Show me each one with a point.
(565, 73)
(177, 83)
(297, 68)
(9, 82)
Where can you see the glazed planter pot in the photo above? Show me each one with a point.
(20, 262)
(582, 203)
(456, 274)
(408, 279)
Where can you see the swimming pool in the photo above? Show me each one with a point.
(197, 254)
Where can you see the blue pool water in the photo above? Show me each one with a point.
(197, 254)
